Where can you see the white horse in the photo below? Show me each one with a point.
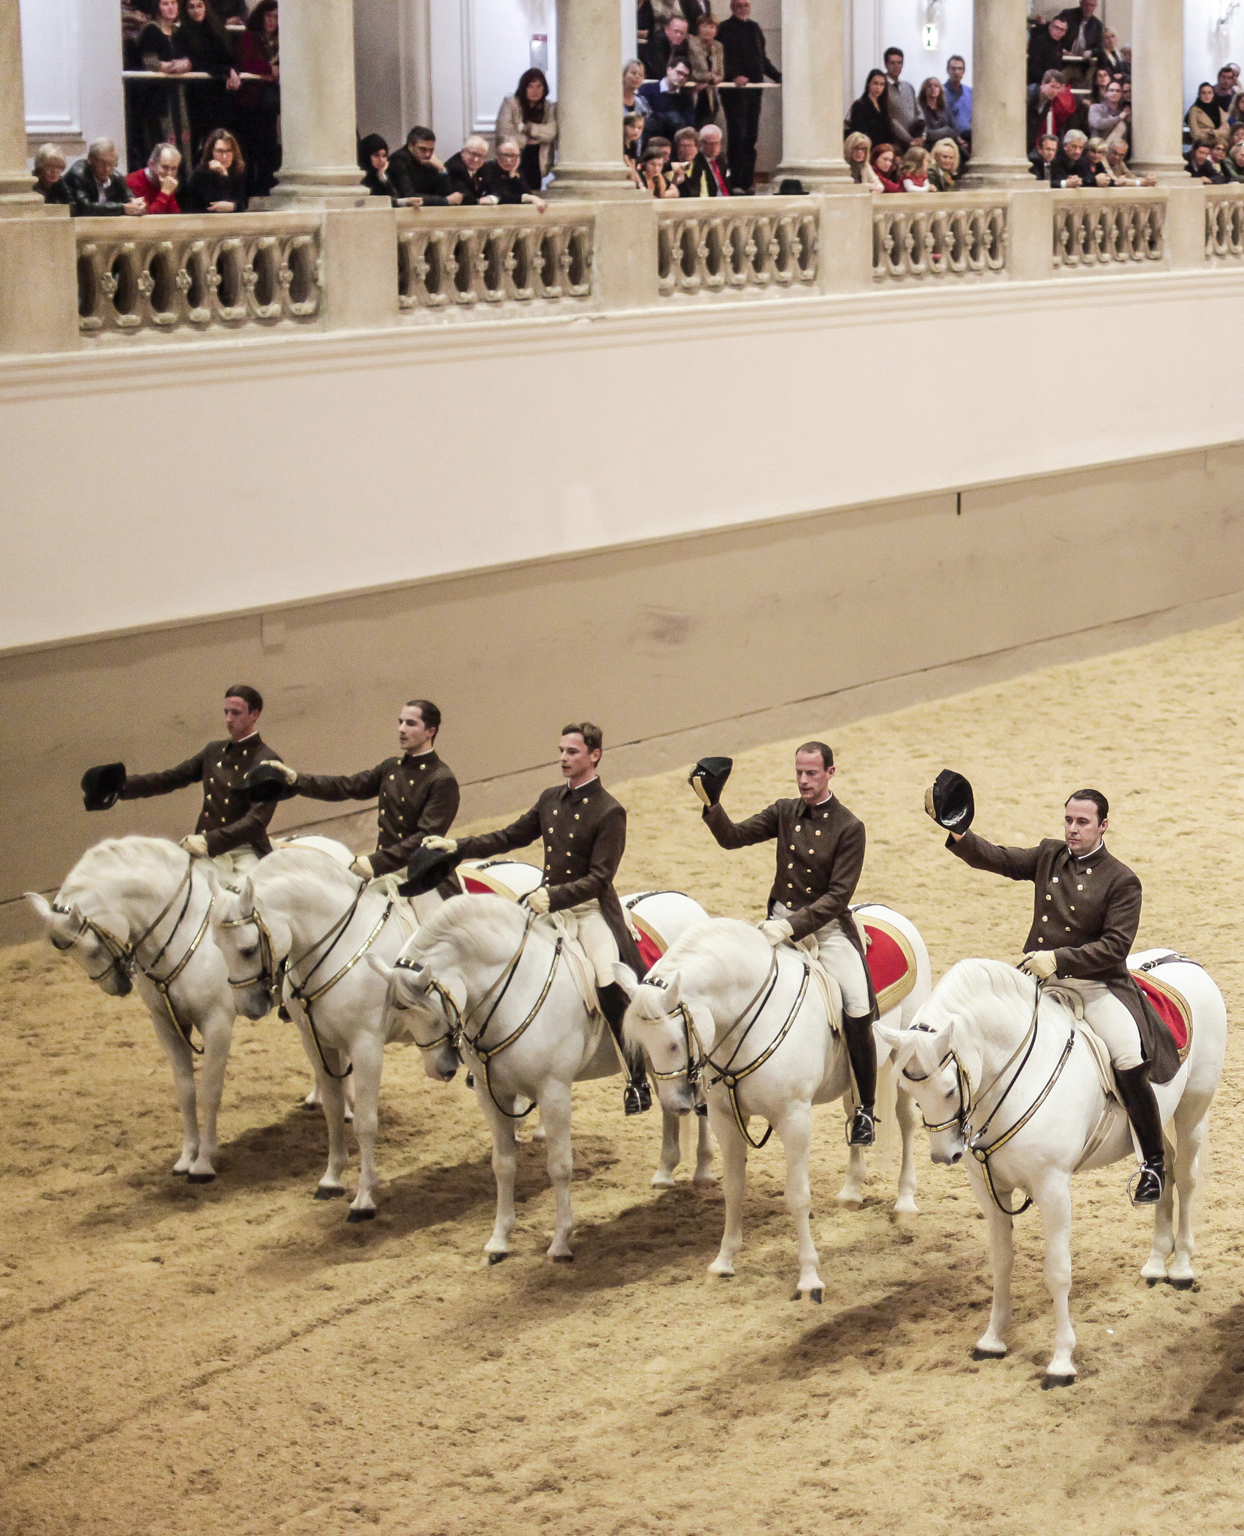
(295, 932)
(999, 1069)
(725, 1010)
(482, 977)
(134, 911)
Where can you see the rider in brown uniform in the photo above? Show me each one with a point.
(583, 829)
(820, 853)
(1084, 925)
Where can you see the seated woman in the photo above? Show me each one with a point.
(374, 163)
(49, 174)
(855, 151)
(885, 167)
(501, 181)
(165, 117)
(218, 183)
(1205, 118)
(1109, 117)
(945, 165)
(652, 172)
(530, 119)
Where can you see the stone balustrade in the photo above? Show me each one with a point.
(713, 248)
(1224, 224)
(196, 273)
(456, 262)
(922, 235)
(1109, 227)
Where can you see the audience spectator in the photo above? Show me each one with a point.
(95, 186)
(1071, 167)
(1101, 83)
(1095, 154)
(1046, 46)
(259, 101)
(652, 172)
(418, 177)
(707, 176)
(707, 58)
(464, 168)
(645, 21)
(163, 111)
(666, 43)
(885, 167)
(50, 174)
(632, 78)
(1200, 162)
(1042, 157)
(746, 63)
(870, 113)
(501, 181)
(632, 136)
(374, 164)
(204, 41)
(671, 105)
(959, 99)
(1110, 55)
(530, 119)
(1237, 122)
(934, 111)
(1218, 159)
(1116, 164)
(901, 100)
(686, 148)
(1206, 118)
(218, 183)
(156, 183)
(1055, 105)
(1225, 90)
(1109, 117)
(945, 166)
(1233, 166)
(856, 152)
(914, 170)
(1084, 31)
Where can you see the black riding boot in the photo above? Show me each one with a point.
(637, 1096)
(1141, 1105)
(862, 1050)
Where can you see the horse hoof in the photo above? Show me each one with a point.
(988, 1354)
(817, 1295)
(328, 1192)
(849, 1203)
(181, 1173)
(497, 1258)
(1186, 1283)
(307, 1104)
(1152, 1280)
(1048, 1381)
(562, 1258)
(200, 1178)
(360, 1213)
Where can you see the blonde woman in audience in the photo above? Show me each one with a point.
(632, 79)
(855, 152)
(915, 170)
(945, 165)
(1233, 165)
(49, 169)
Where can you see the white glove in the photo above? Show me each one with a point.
(538, 900)
(777, 930)
(440, 844)
(1040, 964)
(290, 775)
(195, 845)
(361, 867)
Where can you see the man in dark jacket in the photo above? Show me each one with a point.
(96, 188)
(747, 64)
(1083, 28)
(500, 181)
(416, 172)
(820, 853)
(1046, 46)
(1042, 157)
(671, 106)
(704, 176)
(583, 829)
(666, 44)
(1071, 167)
(463, 170)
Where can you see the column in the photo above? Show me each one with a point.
(1158, 88)
(589, 93)
(812, 109)
(17, 193)
(999, 93)
(320, 157)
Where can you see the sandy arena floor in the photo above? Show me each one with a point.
(234, 1359)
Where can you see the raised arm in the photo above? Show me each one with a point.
(756, 829)
(342, 786)
(1014, 863)
(140, 786)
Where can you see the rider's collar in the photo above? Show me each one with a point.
(583, 789)
(1082, 859)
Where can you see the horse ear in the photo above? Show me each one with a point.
(411, 979)
(931, 1050)
(889, 1037)
(625, 978)
(378, 965)
(40, 904)
(671, 993)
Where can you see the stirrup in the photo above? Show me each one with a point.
(1146, 1185)
(637, 1096)
(862, 1128)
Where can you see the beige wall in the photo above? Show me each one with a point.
(713, 641)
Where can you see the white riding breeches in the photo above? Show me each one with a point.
(236, 862)
(1106, 1016)
(841, 959)
(597, 939)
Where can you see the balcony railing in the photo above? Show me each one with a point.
(1109, 227)
(922, 235)
(713, 248)
(210, 272)
(1224, 225)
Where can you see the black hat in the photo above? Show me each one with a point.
(950, 801)
(265, 783)
(792, 188)
(708, 778)
(427, 870)
(101, 786)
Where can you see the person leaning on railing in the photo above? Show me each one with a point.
(465, 170)
(1071, 166)
(1042, 157)
(50, 174)
(218, 182)
(856, 151)
(1201, 165)
(706, 176)
(1233, 166)
(156, 183)
(96, 188)
(1120, 174)
(418, 177)
(652, 172)
(884, 162)
(501, 181)
(945, 166)
(707, 58)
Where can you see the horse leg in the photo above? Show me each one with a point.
(796, 1133)
(734, 1184)
(332, 1099)
(851, 1195)
(992, 1343)
(314, 1101)
(504, 1168)
(217, 1035)
(555, 1116)
(368, 1058)
(1154, 1267)
(1054, 1199)
(181, 1059)
(1191, 1134)
(671, 1149)
(908, 1116)
(703, 1152)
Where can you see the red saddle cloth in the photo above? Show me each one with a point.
(649, 950)
(891, 962)
(1168, 1007)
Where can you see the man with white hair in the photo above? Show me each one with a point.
(156, 183)
(463, 171)
(96, 188)
(706, 178)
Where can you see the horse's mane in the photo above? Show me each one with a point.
(707, 955)
(971, 986)
(483, 928)
(303, 864)
(133, 864)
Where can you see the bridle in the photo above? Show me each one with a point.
(123, 958)
(975, 1140)
(273, 975)
(458, 1019)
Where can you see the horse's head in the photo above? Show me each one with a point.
(94, 942)
(427, 1006)
(659, 1025)
(255, 945)
(931, 1069)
